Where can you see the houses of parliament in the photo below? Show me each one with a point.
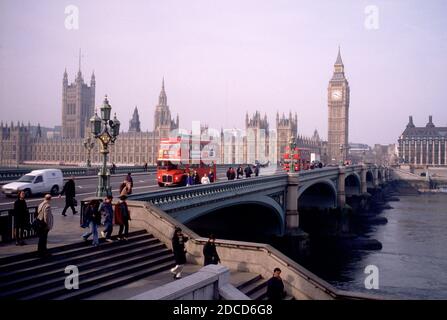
(26, 144)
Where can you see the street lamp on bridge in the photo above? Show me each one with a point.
(89, 145)
(106, 131)
(292, 146)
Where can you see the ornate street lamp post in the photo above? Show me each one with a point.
(292, 146)
(89, 145)
(106, 131)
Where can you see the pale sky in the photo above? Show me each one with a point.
(223, 58)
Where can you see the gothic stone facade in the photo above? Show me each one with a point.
(78, 104)
(423, 146)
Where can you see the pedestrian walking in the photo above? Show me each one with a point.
(229, 173)
(106, 210)
(122, 217)
(248, 171)
(130, 181)
(113, 168)
(21, 218)
(275, 286)
(211, 176)
(145, 167)
(209, 251)
(69, 190)
(196, 177)
(256, 167)
(178, 247)
(239, 172)
(46, 219)
(94, 218)
(205, 179)
(125, 188)
(189, 179)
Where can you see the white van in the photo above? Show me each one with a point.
(37, 181)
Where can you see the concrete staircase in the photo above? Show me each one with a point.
(256, 288)
(110, 265)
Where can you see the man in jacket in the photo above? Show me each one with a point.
(44, 214)
(70, 192)
(275, 286)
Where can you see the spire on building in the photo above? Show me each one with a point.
(134, 123)
(339, 61)
(38, 131)
(430, 122)
(410, 122)
(65, 80)
(163, 100)
(79, 76)
(93, 79)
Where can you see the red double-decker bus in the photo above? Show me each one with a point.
(182, 155)
(301, 159)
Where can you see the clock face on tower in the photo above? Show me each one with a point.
(336, 95)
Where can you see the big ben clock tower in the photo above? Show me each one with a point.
(338, 114)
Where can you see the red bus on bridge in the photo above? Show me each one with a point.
(301, 159)
(182, 155)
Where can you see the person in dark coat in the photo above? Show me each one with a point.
(178, 247)
(209, 252)
(122, 217)
(229, 173)
(70, 192)
(196, 178)
(21, 218)
(239, 172)
(256, 167)
(275, 286)
(106, 210)
(248, 171)
(93, 216)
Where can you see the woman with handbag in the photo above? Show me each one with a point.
(21, 218)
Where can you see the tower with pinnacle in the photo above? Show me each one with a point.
(338, 113)
(286, 128)
(134, 123)
(163, 123)
(78, 103)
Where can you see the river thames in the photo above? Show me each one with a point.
(413, 260)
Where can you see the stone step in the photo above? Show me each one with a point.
(87, 262)
(32, 255)
(112, 267)
(122, 274)
(63, 259)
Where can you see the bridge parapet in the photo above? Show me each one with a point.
(183, 197)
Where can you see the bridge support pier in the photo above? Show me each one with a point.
(292, 215)
(341, 192)
(363, 183)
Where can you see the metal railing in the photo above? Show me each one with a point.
(189, 193)
(7, 224)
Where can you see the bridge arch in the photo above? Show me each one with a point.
(259, 213)
(353, 184)
(322, 192)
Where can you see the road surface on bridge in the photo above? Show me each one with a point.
(86, 187)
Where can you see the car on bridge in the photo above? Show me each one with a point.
(35, 182)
